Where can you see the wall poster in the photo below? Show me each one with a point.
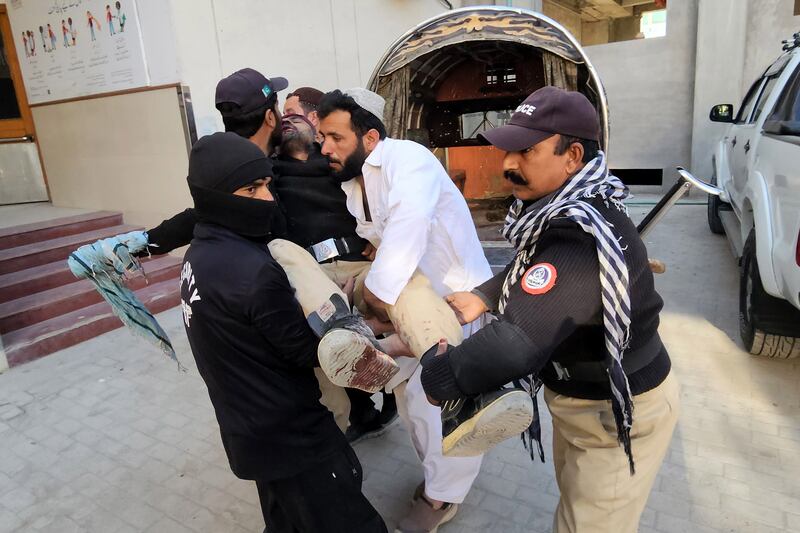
(73, 48)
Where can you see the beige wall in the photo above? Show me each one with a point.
(626, 28)
(650, 86)
(123, 153)
(768, 23)
(596, 32)
(328, 45)
(721, 26)
(567, 18)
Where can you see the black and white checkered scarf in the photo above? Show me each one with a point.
(572, 201)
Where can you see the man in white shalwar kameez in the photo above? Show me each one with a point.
(426, 246)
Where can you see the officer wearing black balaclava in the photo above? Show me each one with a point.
(256, 353)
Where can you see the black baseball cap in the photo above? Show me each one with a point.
(546, 112)
(248, 89)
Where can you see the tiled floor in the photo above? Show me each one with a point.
(107, 436)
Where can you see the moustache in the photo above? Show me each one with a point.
(514, 177)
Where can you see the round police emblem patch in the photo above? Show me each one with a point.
(539, 278)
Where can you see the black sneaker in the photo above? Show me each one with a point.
(473, 426)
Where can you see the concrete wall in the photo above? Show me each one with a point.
(626, 28)
(326, 44)
(650, 86)
(566, 17)
(596, 32)
(106, 153)
(736, 41)
(768, 23)
(719, 77)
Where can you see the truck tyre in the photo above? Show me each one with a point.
(764, 326)
(714, 203)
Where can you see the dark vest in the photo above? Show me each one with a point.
(313, 202)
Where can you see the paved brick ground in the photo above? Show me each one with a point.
(107, 437)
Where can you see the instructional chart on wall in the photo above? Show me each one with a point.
(73, 48)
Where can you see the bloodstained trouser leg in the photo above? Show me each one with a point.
(311, 284)
(421, 317)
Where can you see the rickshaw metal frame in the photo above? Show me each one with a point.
(593, 75)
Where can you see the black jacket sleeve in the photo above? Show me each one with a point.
(277, 315)
(532, 326)
(490, 290)
(171, 233)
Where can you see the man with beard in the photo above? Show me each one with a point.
(248, 104)
(318, 220)
(415, 217)
(255, 351)
(577, 312)
(304, 101)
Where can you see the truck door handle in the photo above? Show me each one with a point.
(733, 142)
(747, 147)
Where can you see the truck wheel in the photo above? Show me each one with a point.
(763, 325)
(714, 222)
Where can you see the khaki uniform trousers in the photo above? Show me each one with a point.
(420, 316)
(598, 494)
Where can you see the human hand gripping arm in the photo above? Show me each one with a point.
(532, 326)
(468, 306)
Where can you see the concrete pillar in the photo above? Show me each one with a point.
(719, 64)
(3, 360)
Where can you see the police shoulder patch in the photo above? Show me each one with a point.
(539, 278)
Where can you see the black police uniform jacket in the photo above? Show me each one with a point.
(256, 354)
(557, 318)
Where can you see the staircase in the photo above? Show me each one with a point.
(43, 307)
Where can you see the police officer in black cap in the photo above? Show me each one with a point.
(578, 312)
(256, 352)
(313, 211)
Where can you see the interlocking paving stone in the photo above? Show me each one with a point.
(108, 437)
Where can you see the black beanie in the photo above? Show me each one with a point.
(225, 162)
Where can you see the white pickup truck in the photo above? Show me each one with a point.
(757, 166)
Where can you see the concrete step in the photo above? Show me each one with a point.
(44, 305)
(57, 227)
(36, 279)
(58, 249)
(66, 330)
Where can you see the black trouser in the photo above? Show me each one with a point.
(327, 498)
(362, 408)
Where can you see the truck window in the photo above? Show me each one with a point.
(788, 106)
(749, 101)
(762, 99)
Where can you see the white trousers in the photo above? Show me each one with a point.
(447, 479)
(422, 318)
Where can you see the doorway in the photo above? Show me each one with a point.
(21, 176)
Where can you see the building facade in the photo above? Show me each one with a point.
(116, 136)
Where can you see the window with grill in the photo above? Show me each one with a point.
(501, 75)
